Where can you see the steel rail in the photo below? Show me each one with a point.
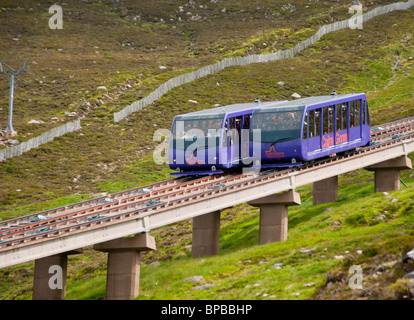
(188, 198)
(98, 208)
(133, 202)
(192, 197)
(102, 208)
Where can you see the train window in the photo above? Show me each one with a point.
(311, 123)
(352, 114)
(305, 126)
(325, 120)
(363, 121)
(357, 112)
(317, 122)
(331, 119)
(246, 121)
(226, 129)
(344, 117)
(367, 110)
(338, 117)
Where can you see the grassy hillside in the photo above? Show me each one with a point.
(104, 156)
(361, 228)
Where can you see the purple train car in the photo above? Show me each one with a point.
(274, 134)
(311, 128)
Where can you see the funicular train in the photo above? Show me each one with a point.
(267, 135)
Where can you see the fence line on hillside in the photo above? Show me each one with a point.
(48, 136)
(257, 58)
(45, 137)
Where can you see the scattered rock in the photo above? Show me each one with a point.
(99, 195)
(394, 200)
(204, 287)
(281, 83)
(194, 279)
(409, 275)
(339, 257)
(310, 284)
(35, 121)
(12, 142)
(246, 261)
(162, 67)
(101, 88)
(307, 251)
(154, 264)
(408, 256)
(278, 266)
(296, 95)
(386, 266)
(193, 101)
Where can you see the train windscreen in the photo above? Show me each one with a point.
(198, 132)
(277, 126)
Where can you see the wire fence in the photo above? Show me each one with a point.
(257, 58)
(45, 137)
(48, 136)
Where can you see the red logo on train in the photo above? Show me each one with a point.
(273, 154)
(192, 160)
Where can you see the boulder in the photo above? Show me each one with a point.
(194, 279)
(35, 121)
(408, 256)
(204, 286)
(12, 142)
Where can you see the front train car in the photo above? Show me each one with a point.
(280, 138)
(195, 141)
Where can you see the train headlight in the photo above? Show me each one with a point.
(178, 169)
(293, 160)
(213, 168)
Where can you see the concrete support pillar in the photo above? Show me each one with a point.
(50, 277)
(274, 215)
(325, 190)
(206, 235)
(122, 278)
(387, 173)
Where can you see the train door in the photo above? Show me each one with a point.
(314, 140)
(233, 141)
(365, 121)
(354, 120)
(244, 137)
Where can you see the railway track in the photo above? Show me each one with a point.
(163, 195)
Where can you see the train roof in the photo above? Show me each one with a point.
(299, 104)
(221, 111)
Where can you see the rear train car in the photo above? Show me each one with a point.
(310, 128)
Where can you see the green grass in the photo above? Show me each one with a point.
(109, 157)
